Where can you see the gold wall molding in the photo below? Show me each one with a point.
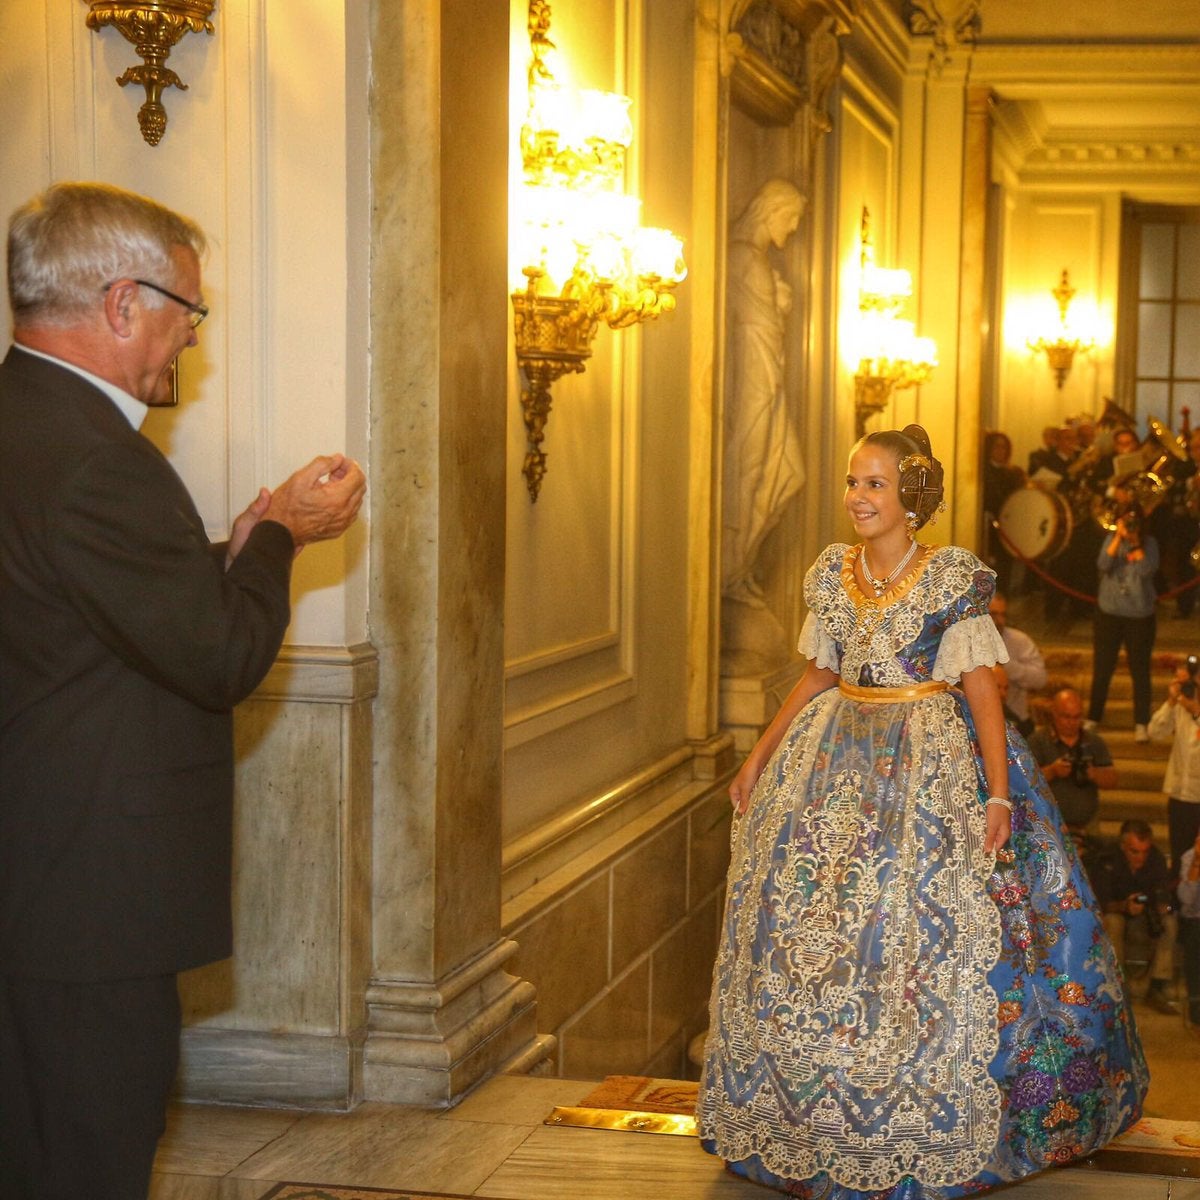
(153, 27)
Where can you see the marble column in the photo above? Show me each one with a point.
(977, 169)
(443, 1012)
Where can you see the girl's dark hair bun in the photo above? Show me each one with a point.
(917, 434)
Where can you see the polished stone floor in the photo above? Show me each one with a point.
(494, 1144)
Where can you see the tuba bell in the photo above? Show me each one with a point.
(1162, 451)
(1144, 490)
(1115, 417)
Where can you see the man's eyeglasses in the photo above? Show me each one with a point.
(198, 311)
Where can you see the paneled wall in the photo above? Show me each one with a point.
(615, 825)
(596, 575)
(263, 166)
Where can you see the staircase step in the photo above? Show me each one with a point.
(1120, 802)
(1139, 774)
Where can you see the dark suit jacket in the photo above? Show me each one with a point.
(124, 645)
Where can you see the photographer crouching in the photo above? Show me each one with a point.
(1133, 885)
(1076, 763)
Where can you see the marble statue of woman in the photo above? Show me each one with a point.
(762, 468)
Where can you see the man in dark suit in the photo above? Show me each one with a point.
(125, 641)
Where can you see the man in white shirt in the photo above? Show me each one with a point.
(1178, 721)
(1026, 667)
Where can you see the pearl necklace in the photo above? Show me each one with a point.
(881, 585)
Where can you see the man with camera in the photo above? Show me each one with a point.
(1126, 600)
(1075, 761)
(1178, 719)
(1133, 885)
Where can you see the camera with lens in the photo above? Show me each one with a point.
(1130, 516)
(1154, 921)
(1188, 688)
(1079, 766)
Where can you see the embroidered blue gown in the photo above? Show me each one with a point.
(896, 1014)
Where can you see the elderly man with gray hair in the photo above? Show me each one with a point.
(126, 638)
(1076, 762)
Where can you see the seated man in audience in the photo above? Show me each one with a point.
(1076, 763)
(1133, 886)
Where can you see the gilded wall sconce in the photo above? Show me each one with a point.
(577, 241)
(1066, 341)
(153, 27)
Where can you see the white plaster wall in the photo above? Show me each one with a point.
(260, 150)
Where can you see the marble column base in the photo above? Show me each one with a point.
(430, 1043)
(748, 702)
(282, 1070)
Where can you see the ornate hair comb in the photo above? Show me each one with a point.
(909, 461)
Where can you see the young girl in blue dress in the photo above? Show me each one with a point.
(914, 998)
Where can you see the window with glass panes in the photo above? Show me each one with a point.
(1160, 313)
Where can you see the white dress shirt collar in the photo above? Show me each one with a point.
(133, 410)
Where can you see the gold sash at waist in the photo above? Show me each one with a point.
(892, 695)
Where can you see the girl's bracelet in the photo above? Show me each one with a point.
(1000, 800)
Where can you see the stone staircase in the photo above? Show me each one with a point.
(1140, 766)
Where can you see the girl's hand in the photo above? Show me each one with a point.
(742, 785)
(999, 828)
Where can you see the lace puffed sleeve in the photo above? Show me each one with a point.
(822, 587)
(817, 646)
(970, 638)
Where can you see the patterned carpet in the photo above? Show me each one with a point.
(640, 1093)
(314, 1191)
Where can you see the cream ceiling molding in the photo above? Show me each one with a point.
(782, 56)
(951, 23)
(153, 27)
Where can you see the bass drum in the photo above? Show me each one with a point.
(1037, 522)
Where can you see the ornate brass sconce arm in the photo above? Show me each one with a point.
(153, 27)
(652, 299)
(553, 336)
(875, 381)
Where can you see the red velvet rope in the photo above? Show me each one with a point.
(1062, 587)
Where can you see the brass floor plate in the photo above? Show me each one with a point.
(624, 1120)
